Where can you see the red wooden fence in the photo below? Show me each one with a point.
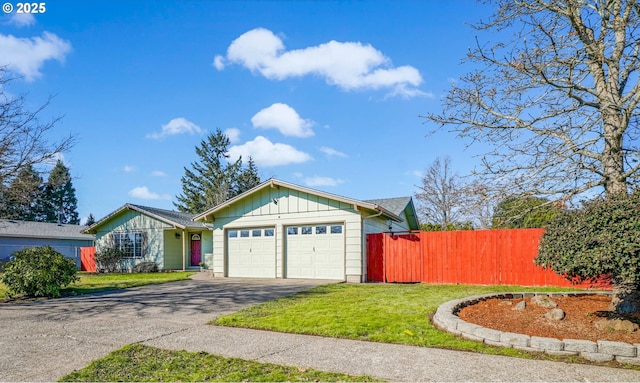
(88, 259)
(483, 257)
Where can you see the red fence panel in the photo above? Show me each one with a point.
(88, 259)
(485, 257)
(375, 257)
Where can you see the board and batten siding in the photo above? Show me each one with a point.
(130, 222)
(281, 207)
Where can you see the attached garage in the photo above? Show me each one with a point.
(282, 230)
(251, 252)
(315, 251)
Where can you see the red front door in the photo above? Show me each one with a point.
(195, 250)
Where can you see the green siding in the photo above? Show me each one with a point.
(133, 221)
(173, 250)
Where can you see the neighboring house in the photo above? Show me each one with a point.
(169, 238)
(64, 238)
(282, 230)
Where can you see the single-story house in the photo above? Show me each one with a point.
(275, 230)
(282, 230)
(64, 238)
(169, 238)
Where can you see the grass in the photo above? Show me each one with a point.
(138, 363)
(389, 313)
(92, 283)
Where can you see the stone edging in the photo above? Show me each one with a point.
(446, 319)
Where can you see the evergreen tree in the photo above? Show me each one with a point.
(23, 197)
(90, 220)
(213, 179)
(247, 179)
(59, 197)
(209, 181)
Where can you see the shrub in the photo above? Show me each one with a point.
(109, 260)
(38, 272)
(600, 240)
(146, 267)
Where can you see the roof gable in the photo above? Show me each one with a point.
(400, 206)
(277, 183)
(178, 219)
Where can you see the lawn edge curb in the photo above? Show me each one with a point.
(446, 319)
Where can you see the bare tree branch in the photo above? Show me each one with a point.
(558, 101)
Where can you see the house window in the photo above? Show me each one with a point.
(131, 244)
(268, 232)
(233, 233)
(256, 233)
(336, 229)
(321, 230)
(306, 230)
(292, 230)
(244, 233)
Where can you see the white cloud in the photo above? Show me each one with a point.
(218, 62)
(347, 65)
(158, 173)
(22, 19)
(322, 181)
(142, 192)
(267, 154)
(233, 134)
(27, 55)
(330, 152)
(129, 169)
(178, 125)
(283, 118)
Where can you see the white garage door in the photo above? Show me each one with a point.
(315, 251)
(251, 252)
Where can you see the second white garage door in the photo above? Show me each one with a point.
(315, 251)
(251, 252)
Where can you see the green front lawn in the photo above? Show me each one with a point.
(138, 363)
(391, 313)
(92, 283)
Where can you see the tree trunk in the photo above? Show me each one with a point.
(625, 298)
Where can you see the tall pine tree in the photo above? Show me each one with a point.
(213, 179)
(247, 179)
(23, 196)
(59, 197)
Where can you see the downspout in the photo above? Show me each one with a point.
(364, 246)
(184, 251)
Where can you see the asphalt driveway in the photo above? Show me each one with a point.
(45, 340)
(42, 341)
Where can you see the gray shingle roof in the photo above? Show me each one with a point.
(171, 217)
(397, 207)
(27, 229)
(394, 205)
(176, 217)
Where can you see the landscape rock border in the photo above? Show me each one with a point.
(446, 319)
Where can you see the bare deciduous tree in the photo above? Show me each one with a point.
(24, 139)
(444, 198)
(558, 101)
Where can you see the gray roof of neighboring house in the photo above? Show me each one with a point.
(28, 229)
(171, 217)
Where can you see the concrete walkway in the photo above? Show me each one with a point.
(46, 340)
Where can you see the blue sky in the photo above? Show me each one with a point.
(322, 94)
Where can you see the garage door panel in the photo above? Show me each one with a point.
(251, 253)
(315, 252)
